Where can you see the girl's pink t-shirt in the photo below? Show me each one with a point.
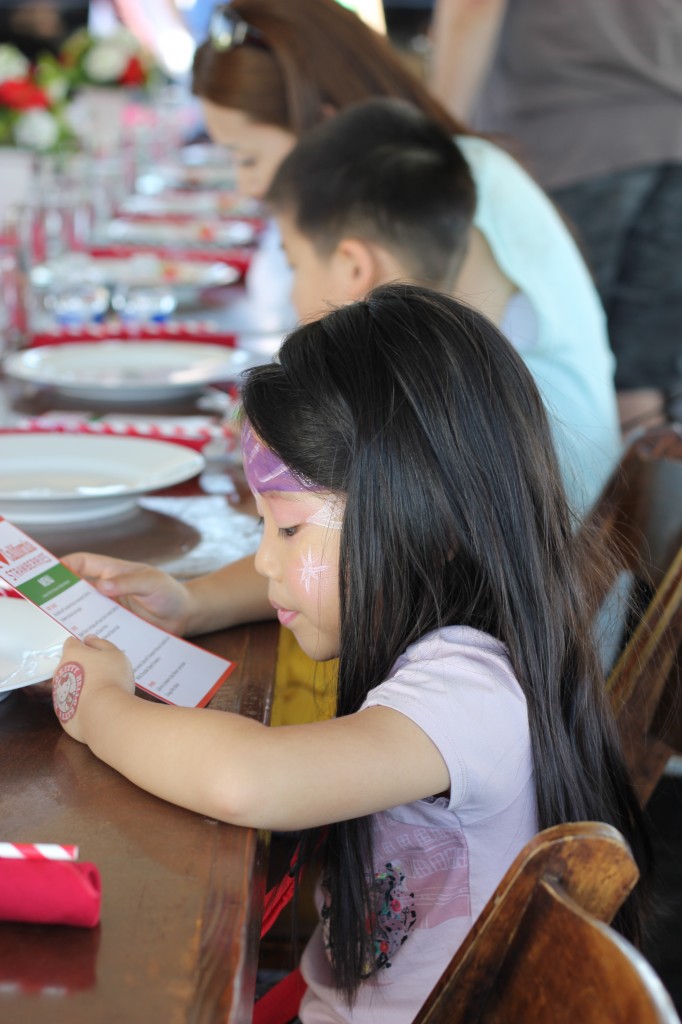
(437, 861)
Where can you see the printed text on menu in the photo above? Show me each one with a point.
(164, 665)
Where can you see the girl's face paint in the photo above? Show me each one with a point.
(66, 689)
(299, 556)
(330, 515)
(264, 470)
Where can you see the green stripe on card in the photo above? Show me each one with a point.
(48, 584)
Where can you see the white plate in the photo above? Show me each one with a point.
(202, 235)
(143, 270)
(191, 204)
(69, 478)
(186, 176)
(127, 370)
(30, 645)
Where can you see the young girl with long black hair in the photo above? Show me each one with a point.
(415, 527)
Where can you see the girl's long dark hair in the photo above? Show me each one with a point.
(418, 410)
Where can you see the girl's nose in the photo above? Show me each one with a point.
(266, 562)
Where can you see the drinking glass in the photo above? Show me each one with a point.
(13, 311)
(78, 304)
(144, 304)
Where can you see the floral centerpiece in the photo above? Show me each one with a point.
(115, 60)
(32, 108)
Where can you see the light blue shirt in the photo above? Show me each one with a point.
(556, 323)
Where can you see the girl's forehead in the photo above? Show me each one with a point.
(290, 498)
(300, 500)
(271, 480)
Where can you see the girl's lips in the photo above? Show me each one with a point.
(284, 615)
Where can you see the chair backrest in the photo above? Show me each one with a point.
(639, 521)
(643, 686)
(639, 514)
(542, 950)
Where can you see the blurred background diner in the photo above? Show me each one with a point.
(36, 27)
(176, 194)
(589, 97)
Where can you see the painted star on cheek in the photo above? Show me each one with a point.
(310, 570)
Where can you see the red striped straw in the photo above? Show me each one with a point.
(37, 851)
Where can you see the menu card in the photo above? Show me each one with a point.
(164, 665)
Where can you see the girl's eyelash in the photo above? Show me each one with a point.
(284, 531)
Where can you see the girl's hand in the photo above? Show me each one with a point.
(150, 593)
(86, 671)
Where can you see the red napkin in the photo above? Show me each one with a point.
(50, 892)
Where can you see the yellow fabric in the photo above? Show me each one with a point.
(304, 689)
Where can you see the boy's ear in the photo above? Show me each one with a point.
(357, 266)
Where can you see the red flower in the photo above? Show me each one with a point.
(134, 74)
(22, 95)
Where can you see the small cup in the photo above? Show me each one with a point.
(73, 305)
(144, 304)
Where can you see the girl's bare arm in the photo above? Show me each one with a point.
(235, 769)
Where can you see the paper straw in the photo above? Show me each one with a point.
(37, 851)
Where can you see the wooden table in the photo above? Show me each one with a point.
(181, 894)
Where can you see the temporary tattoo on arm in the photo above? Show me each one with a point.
(66, 689)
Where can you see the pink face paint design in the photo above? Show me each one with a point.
(264, 471)
(311, 571)
(330, 515)
(66, 689)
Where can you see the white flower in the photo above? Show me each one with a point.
(105, 62)
(13, 64)
(36, 129)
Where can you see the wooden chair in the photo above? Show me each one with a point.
(644, 686)
(542, 949)
(639, 522)
(639, 514)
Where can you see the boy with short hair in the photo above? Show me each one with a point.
(376, 194)
(380, 193)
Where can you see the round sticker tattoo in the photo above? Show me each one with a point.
(66, 689)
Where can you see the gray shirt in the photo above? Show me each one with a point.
(586, 87)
